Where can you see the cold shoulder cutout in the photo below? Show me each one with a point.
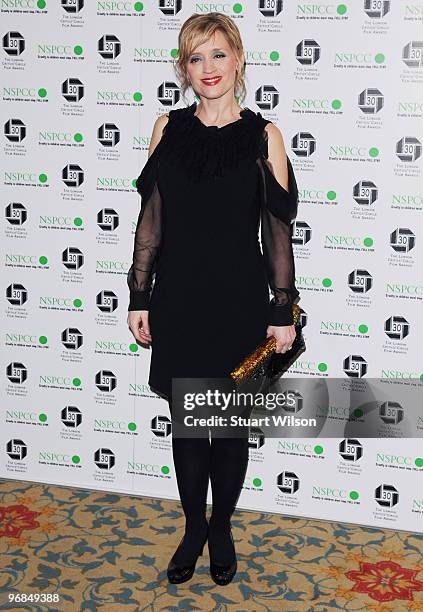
(197, 264)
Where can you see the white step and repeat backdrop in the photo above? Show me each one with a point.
(82, 84)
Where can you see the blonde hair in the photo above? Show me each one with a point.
(198, 29)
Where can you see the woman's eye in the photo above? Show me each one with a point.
(193, 59)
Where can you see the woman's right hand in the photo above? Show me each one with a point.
(139, 325)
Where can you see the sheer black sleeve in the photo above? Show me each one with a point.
(278, 211)
(147, 236)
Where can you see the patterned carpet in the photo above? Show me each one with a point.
(103, 551)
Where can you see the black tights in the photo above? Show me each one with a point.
(224, 461)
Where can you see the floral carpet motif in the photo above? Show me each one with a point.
(109, 552)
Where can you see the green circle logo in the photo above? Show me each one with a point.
(138, 7)
(137, 96)
(43, 260)
(257, 482)
(326, 282)
(331, 195)
(368, 242)
(77, 50)
(42, 417)
(174, 53)
(358, 413)
(133, 347)
(274, 56)
(419, 462)
(78, 137)
(76, 382)
(164, 469)
(132, 426)
(373, 152)
(77, 221)
(341, 9)
(379, 58)
(336, 104)
(354, 495)
(237, 8)
(363, 329)
(77, 303)
(42, 178)
(42, 339)
(41, 4)
(76, 459)
(318, 449)
(42, 92)
(322, 367)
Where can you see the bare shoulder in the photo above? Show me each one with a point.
(275, 138)
(157, 133)
(277, 154)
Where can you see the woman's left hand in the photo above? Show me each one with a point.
(284, 336)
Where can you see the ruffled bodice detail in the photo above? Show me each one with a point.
(210, 151)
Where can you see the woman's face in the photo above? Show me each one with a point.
(211, 67)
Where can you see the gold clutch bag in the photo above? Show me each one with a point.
(264, 364)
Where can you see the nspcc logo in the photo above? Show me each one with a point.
(307, 52)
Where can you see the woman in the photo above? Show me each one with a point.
(215, 170)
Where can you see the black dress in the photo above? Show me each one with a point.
(204, 190)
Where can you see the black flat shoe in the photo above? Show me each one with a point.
(182, 573)
(223, 574)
